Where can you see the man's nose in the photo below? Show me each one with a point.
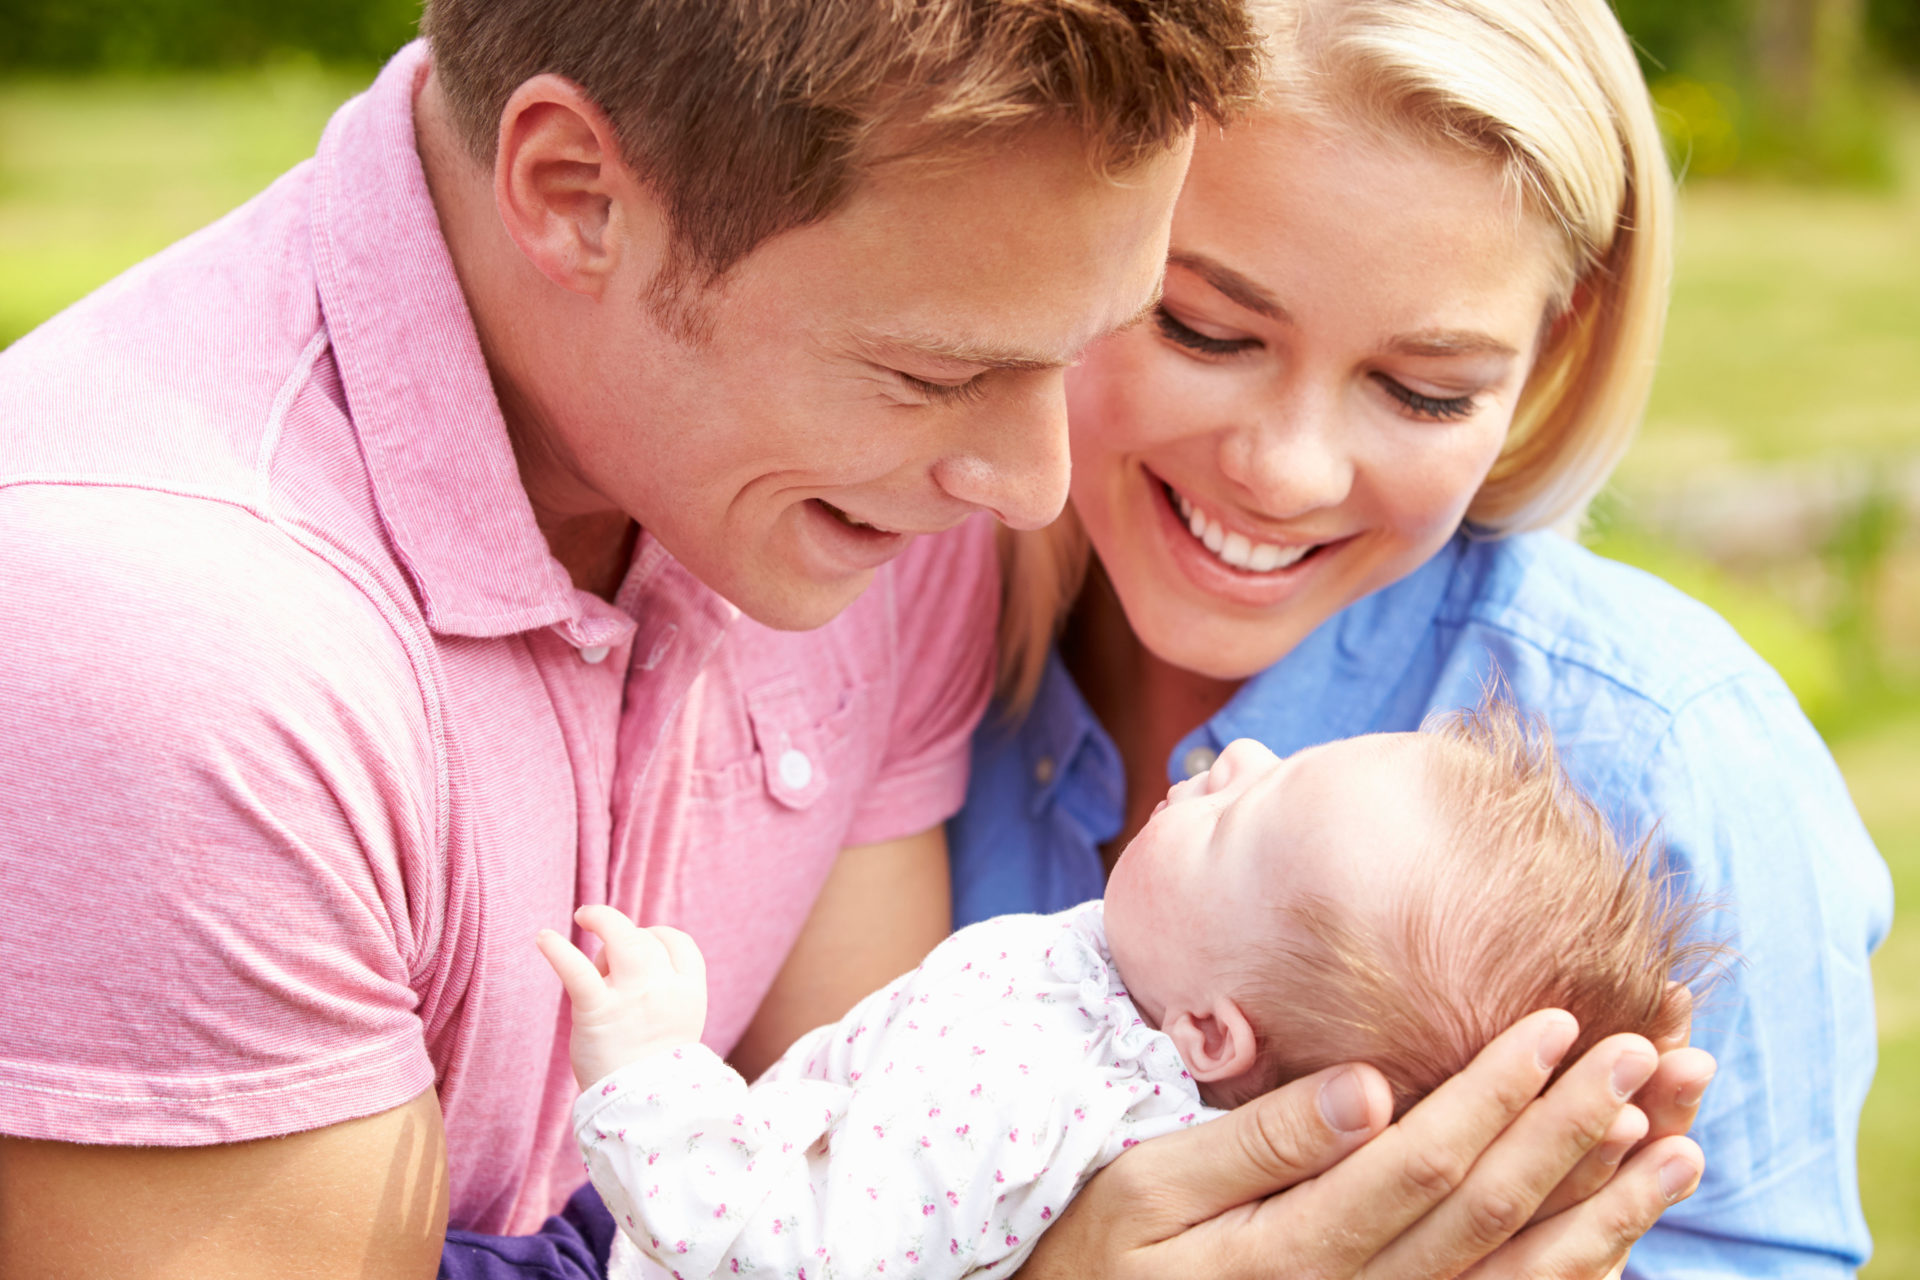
(1011, 456)
(1291, 455)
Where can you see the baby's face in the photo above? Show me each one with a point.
(1208, 876)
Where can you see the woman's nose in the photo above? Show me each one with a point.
(1290, 456)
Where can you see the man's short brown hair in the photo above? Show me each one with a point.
(752, 117)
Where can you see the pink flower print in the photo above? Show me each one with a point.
(1013, 1135)
(1046, 1212)
(1079, 1114)
(968, 965)
(977, 1051)
(913, 1255)
(652, 1156)
(999, 1176)
(878, 1132)
(932, 1111)
(1003, 955)
(1156, 1091)
(776, 1226)
(736, 1266)
(1128, 1142)
(944, 1030)
(738, 1120)
(925, 1141)
(953, 1198)
(873, 1193)
(680, 1247)
(912, 1025)
(678, 1053)
(926, 1210)
(721, 1212)
(653, 1191)
(974, 1092)
(880, 1265)
(953, 1247)
(629, 1219)
(961, 1130)
(1187, 1118)
(803, 1273)
(1012, 1239)
(852, 1077)
(608, 1088)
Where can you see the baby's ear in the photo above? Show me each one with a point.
(1217, 1044)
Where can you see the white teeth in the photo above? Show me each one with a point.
(1235, 549)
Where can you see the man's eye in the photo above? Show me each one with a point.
(1180, 335)
(946, 392)
(1434, 408)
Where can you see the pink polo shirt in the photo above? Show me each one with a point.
(304, 734)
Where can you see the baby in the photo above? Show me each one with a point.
(1397, 899)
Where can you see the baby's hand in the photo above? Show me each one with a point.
(647, 992)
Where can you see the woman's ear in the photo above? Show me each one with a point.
(1217, 1044)
(565, 196)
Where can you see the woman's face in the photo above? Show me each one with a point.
(1346, 327)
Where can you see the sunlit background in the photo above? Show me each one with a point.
(1778, 476)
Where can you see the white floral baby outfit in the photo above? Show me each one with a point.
(936, 1130)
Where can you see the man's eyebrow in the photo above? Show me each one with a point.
(987, 355)
(1232, 284)
(1450, 342)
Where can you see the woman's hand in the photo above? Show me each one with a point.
(1311, 1180)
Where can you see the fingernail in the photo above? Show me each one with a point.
(1690, 1095)
(1676, 1178)
(1343, 1102)
(1558, 1037)
(1630, 1071)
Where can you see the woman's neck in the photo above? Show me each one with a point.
(1146, 705)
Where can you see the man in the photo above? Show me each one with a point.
(430, 547)
(477, 524)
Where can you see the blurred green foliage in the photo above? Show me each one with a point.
(146, 35)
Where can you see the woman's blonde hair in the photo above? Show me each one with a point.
(1551, 91)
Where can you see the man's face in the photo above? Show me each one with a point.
(880, 374)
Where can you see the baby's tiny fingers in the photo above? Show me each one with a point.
(577, 973)
(629, 954)
(682, 950)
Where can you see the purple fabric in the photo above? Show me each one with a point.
(571, 1245)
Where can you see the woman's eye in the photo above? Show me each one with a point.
(1180, 335)
(946, 392)
(1436, 408)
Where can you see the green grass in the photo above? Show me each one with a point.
(1795, 328)
(1794, 334)
(98, 173)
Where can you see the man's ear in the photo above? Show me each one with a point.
(1217, 1044)
(564, 194)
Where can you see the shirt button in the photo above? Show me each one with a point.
(595, 653)
(1043, 770)
(796, 771)
(1198, 760)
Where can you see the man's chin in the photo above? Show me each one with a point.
(795, 604)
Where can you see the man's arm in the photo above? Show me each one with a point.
(364, 1198)
(883, 907)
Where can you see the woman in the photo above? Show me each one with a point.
(1410, 318)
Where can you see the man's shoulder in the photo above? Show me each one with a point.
(185, 610)
(170, 373)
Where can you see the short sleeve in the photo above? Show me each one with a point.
(216, 828)
(1754, 813)
(945, 607)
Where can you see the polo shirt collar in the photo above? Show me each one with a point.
(417, 385)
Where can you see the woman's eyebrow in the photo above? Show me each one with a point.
(1232, 284)
(1450, 342)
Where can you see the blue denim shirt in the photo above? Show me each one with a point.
(1664, 717)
